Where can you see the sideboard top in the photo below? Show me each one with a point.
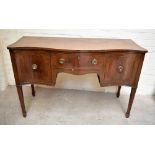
(78, 44)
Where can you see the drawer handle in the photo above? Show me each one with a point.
(94, 62)
(34, 66)
(61, 61)
(120, 68)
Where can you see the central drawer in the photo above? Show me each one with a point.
(78, 60)
(62, 60)
(90, 60)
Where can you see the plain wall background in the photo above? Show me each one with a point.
(144, 37)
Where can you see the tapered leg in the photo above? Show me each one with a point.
(132, 95)
(33, 90)
(21, 98)
(118, 91)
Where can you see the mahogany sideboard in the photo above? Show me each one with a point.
(38, 60)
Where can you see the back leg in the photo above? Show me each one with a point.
(118, 92)
(33, 90)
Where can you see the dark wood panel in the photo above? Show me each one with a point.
(34, 68)
(121, 69)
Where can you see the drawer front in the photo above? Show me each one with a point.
(78, 61)
(121, 68)
(33, 67)
(90, 60)
(62, 60)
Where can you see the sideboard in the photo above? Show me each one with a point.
(38, 60)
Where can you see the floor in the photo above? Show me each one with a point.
(74, 107)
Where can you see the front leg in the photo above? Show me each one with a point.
(21, 99)
(132, 95)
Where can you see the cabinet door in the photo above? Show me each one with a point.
(33, 67)
(121, 68)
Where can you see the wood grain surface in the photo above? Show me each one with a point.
(84, 44)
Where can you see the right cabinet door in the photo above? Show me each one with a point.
(121, 68)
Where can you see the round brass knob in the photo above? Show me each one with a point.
(61, 61)
(120, 68)
(34, 66)
(94, 62)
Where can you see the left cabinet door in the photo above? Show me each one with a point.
(33, 67)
